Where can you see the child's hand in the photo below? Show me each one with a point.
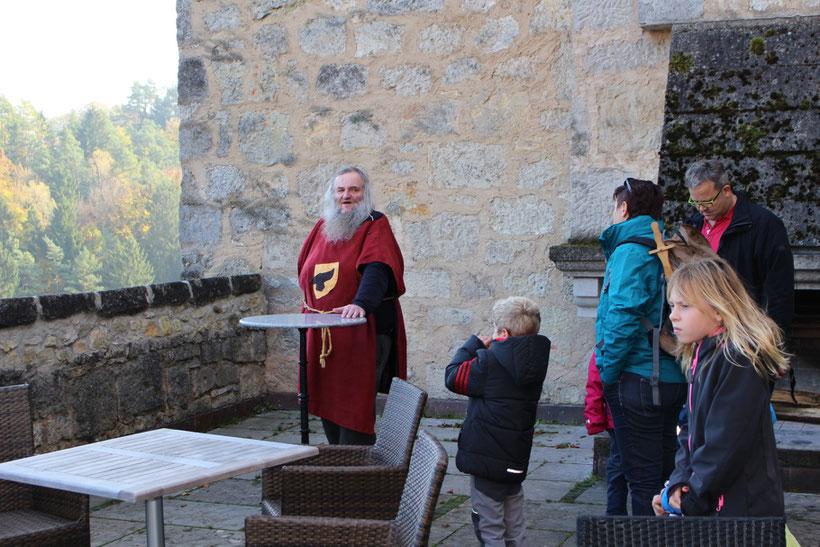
(486, 340)
(658, 507)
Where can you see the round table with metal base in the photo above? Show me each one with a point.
(303, 322)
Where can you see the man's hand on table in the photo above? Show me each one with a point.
(349, 311)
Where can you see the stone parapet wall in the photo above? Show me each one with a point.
(657, 14)
(107, 364)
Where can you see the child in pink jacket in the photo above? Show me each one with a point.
(598, 419)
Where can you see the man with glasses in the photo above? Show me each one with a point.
(750, 238)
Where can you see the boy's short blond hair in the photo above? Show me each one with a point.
(518, 314)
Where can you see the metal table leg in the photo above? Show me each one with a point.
(303, 386)
(155, 527)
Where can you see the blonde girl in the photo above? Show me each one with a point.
(731, 352)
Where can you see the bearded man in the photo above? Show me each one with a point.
(351, 264)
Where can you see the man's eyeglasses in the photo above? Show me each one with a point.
(708, 203)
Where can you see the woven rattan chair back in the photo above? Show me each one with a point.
(421, 489)
(602, 531)
(16, 440)
(31, 515)
(399, 424)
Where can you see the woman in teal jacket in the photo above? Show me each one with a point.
(632, 295)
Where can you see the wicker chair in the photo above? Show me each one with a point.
(352, 481)
(410, 527)
(602, 531)
(32, 515)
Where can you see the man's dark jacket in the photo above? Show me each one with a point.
(504, 385)
(728, 452)
(757, 246)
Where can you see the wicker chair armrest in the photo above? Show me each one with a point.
(367, 492)
(329, 455)
(263, 530)
(69, 505)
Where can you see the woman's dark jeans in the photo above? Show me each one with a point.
(646, 434)
(616, 485)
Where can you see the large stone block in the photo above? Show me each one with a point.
(225, 19)
(400, 7)
(142, 386)
(657, 14)
(192, 82)
(502, 112)
(342, 81)
(449, 235)
(504, 252)
(208, 289)
(264, 138)
(224, 182)
(497, 34)
(551, 16)
(538, 174)
(93, 401)
(183, 21)
(407, 79)
(468, 165)
(378, 36)
(272, 40)
(519, 68)
(620, 56)
(525, 283)
(440, 39)
(591, 197)
(59, 306)
(446, 316)
(323, 36)
(194, 141)
(629, 117)
(262, 8)
(17, 311)
(437, 119)
(200, 224)
(261, 216)
(478, 6)
(126, 301)
(427, 284)
(462, 70)
(597, 15)
(475, 286)
(519, 216)
(359, 130)
(313, 183)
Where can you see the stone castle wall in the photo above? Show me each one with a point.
(107, 364)
(492, 130)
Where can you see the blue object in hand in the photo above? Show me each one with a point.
(665, 503)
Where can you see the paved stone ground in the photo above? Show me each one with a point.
(559, 487)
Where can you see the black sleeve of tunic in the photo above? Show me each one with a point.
(376, 284)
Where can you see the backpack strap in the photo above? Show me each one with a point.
(654, 380)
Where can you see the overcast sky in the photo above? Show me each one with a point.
(63, 54)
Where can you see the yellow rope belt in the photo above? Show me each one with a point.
(327, 342)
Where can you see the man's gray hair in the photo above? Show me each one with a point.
(329, 198)
(703, 170)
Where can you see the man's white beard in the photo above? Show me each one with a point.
(340, 226)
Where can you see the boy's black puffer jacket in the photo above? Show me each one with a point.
(504, 385)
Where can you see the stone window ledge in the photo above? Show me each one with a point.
(586, 265)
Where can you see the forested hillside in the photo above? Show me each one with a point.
(89, 201)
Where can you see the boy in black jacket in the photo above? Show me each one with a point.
(503, 376)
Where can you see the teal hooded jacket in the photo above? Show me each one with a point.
(632, 290)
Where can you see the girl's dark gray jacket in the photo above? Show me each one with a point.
(727, 453)
(504, 385)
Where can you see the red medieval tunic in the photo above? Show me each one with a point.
(344, 391)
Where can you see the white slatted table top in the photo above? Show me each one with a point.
(150, 464)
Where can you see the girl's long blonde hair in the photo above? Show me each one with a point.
(747, 329)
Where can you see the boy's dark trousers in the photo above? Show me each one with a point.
(498, 513)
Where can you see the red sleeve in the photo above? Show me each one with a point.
(594, 406)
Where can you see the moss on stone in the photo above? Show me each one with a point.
(681, 63)
(757, 45)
